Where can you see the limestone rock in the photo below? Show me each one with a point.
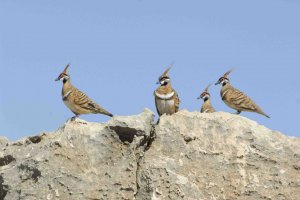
(3, 142)
(219, 156)
(81, 160)
(186, 156)
(129, 127)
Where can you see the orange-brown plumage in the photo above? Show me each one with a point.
(236, 99)
(78, 102)
(206, 106)
(166, 98)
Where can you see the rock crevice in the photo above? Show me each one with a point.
(188, 155)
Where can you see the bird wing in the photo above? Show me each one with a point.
(243, 102)
(177, 101)
(156, 106)
(207, 108)
(240, 100)
(83, 101)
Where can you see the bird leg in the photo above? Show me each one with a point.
(75, 117)
(238, 112)
(158, 121)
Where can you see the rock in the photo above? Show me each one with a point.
(218, 156)
(187, 156)
(134, 126)
(3, 142)
(79, 161)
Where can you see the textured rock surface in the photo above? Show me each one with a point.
(187, 156)
(219, 156)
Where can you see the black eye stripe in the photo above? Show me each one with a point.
(163, 78)
(63, 74)
(223, 78)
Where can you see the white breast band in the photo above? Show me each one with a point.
(224, 93)
(66, 95)
(164, 96)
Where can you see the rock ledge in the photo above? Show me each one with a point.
(187, 156)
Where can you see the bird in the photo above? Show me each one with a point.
(236, 99)
(166, 98)
(78, 102)
(206, 107)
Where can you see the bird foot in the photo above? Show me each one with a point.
(76, 120)
(157, 121)
(237, 112)
(81, 122)
(73, 118)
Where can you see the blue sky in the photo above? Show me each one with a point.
(119, 48)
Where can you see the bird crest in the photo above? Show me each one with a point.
(66, 68)
(165, 74)
(206, 89)
(228, 72)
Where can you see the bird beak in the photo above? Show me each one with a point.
(157, 82)
(217, 83)
(57, 79)
(198, 97)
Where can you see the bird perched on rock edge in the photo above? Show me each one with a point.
(206, 107)
(166, 98)
(77, 101)
(236, 99)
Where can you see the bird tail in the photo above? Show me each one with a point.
(111, 115)
(105, 112)
(264, 114)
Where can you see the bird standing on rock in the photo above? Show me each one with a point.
(236, 99)
(166, 98)
(77, 101)
(206, 107)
